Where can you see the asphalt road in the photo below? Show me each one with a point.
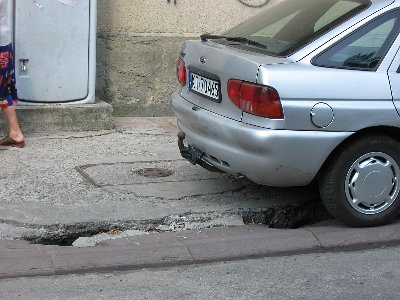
(370, 274)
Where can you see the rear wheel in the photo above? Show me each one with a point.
(361, 183)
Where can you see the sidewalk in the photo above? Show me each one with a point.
(65, 186)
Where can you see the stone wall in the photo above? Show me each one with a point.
(139, 41)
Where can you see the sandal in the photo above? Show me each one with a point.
(7, 141)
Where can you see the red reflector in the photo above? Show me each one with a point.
(255, 99)
(181, 71)
(234, 91)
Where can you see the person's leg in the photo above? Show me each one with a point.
(9, 98)
(14, 131)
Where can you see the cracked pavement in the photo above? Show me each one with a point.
(86, 180)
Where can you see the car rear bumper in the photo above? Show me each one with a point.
(265, 156)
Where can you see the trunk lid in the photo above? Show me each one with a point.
(220, 63)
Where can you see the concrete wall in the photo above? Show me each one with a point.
(139, 41)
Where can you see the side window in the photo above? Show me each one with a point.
(365, 48)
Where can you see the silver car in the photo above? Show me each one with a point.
(307, 90)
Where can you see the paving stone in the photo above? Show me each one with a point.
(340, 236)
(132, 257)
(270, 242)
(132, 123)
(217, 232)
(46, 247)
(3, 245)
(25, 262)
(168, 124)
(138, 125)
(152, 238)
(16, 244)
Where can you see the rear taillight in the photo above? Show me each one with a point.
(181, 71)
(255, 99)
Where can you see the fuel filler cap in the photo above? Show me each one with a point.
(322, 115)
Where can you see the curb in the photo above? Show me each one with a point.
(54, 118)
(21, 259)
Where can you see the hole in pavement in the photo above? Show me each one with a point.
(291, 216)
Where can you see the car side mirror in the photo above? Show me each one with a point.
(398, 70)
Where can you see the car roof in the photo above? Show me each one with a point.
(387, 1)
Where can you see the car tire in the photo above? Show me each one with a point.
(361, 182)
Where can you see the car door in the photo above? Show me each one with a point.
(348, 81)
(394, 77)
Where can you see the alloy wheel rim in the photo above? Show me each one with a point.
(372, 183)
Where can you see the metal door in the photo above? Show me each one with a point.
(394, 77)
(52, 49)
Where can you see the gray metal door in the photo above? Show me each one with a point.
(394, 77)
(52, 49)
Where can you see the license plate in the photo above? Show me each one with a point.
(204, 86)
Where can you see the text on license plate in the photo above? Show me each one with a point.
(204, 86)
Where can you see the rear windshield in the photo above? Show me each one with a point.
(285, 27)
